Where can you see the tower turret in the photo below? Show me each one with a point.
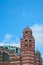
(27, 44)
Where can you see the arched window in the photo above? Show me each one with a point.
(26, 32)
(0, 55)
(5, 56)
(25, 39)
(16, 50)
(30, 44)
(6, 47)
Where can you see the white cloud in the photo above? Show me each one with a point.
(10, 44)
(38, 34)
(2, 44)
(7, 37)
(15, 44)
(10, 40)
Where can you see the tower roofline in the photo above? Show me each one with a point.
(27, 29)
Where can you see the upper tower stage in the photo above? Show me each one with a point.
(27, 29)
(27, 32)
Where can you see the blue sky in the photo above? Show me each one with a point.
(15, 15)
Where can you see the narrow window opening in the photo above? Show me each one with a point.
(6, 47)
(16, 50)
(25, 39)
(26, 32)
(30, 40)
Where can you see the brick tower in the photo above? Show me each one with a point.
(27, 45)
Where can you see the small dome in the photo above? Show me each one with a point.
(37, 52)
(27, 29)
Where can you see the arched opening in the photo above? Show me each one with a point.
(0, 56)
(6, 47)
(5, 56)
